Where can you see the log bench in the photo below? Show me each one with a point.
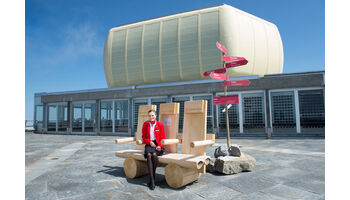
(180, 168)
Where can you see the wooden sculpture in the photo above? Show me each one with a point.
(180, 168)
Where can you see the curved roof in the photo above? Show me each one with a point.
(181, 47)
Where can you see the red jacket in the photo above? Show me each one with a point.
(158, 133)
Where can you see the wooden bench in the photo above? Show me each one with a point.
(180, 168)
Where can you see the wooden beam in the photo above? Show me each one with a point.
(202, 143)
(125, 140)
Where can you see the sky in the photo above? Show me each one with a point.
(64, 39)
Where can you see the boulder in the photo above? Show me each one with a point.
(233, 165)
(211, 166)
(234, 150)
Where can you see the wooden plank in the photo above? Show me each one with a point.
(125, 140)
(195, 126)
(169, 116)
(142, 117)
(183, 160)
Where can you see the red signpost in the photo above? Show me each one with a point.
(236, 83)
(236, 63)
(225, 100)
(218, 76)
(221, 70)
(221, 47)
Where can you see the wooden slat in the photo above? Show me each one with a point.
(125, 140)
(142, 117)
(169, 116)
(183, 160)
(195, 126)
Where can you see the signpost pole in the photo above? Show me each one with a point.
(226, 110)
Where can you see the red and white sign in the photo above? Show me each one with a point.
(225, 100)
(236, 83)
(218, 76)
(221, 47)
(222, 70)
(232, 58)
(236, 63)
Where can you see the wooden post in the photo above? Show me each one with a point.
(226, 110)
(177, 176)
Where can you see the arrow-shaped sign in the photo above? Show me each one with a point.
(236, 83)
(221, 47)
(232, 58)
(218, 76)
(225, 100)
(236, 63)
(222, 70)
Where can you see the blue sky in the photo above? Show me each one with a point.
(64, 39)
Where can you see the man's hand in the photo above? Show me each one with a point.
(152, 144)
(158, 148)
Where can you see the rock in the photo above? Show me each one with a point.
(233, 165)
(234, 150)
(218, 152)
(211, 166)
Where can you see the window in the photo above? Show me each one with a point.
(210, 119)
(181, 100)
(89, 117)
(232, 116)
(52, 118)
(77, 113)
(283, 111)
(253, 112)
(62, 117)
(137, 103)
(311, 106)
(106, 116)
(121, 116)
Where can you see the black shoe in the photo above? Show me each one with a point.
(152, 186)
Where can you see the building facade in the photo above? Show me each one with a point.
(289, 105)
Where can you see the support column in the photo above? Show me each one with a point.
(267, 110)
(98, 117)
(69, 117)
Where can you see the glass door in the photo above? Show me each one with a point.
(77, 113)
(89, 117)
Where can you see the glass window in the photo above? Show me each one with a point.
(210, 118)
(283, 111)
(106, 116)
(77, 113)
(181, 100)
(137, 103)
(52, 118)
(89, 117)
(121, 116)
(311, 106)
(233, 118)
(39, 113)
(62, 117)
(157, 102)
(253, 112)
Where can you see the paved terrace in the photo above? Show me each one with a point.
(84, 167)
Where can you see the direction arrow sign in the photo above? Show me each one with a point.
(232, 58)
(222, 70)
(236, 63)
(225, 100)
(221, 47)
(218, 76)
(236, 83)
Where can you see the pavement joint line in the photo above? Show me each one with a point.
(288, 151)
(45, 164)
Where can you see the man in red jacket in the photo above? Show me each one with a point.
(152, 134)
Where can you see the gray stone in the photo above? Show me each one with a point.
(234, 150)
(219, 152)
(211, 166)
(233, 165)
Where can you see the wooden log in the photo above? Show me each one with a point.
(184, 160)
(139, 142)
(125, 140)
(170, 141)
(202, 143)
(134, 168)
(210, 136)
(177, 176)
